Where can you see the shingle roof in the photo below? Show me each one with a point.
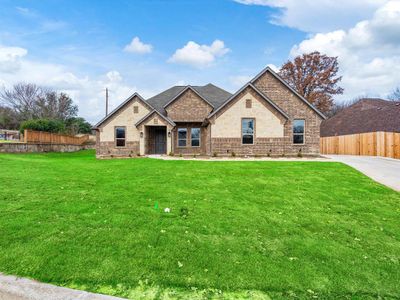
(215, 95)
(367, 115)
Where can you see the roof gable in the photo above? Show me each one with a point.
(214, 95)
(183, 92)
(272, 72)
(133, 97)
(157, 113)
(258, 92)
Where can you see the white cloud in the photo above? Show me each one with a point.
(10, 58)
(199, 56)
(239, 80)
(368, 53)
(138, 46)
(88, 92)
(319, 16)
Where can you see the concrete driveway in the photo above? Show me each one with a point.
(380, 169)
(15, 288)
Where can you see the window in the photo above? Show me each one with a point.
(136, 109)
(247, 131)
(182, 133)
(120, 136)
(248, 103)
(195, 137)
(298, 132)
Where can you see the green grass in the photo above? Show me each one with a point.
(9, 141)
(253, 229)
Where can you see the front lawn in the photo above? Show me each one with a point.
(235, 229)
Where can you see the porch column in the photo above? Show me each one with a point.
(169, 139)
(142, 140)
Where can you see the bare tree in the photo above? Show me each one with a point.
(22, 99)
(56, 106)
(8, 118)
(395, 95)
(29, 101)
(314, 76)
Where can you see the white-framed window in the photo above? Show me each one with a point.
(298, 131)
(182, 135)
(247, 131)
(120, 136)
(195, 137)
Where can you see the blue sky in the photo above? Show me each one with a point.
(81, 47)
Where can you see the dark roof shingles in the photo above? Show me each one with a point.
(367, 115)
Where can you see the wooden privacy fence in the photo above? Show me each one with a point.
(379, 143)
(41, 137)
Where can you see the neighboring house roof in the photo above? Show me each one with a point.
(366, 115)
(213, 94)
(268, 69)
(168, 120)
(122, 105)
(258, 92)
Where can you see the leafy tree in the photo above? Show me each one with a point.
(78, 125)
(314, 76)
(395, 96)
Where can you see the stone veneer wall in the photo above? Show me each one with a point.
(25, 148)
(296, 109)
(108, 149)
(261, 146)
(189, 107)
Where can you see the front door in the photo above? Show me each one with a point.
(160, 141)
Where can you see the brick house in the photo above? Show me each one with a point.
(264, 117)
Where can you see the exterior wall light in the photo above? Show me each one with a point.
(141, 134)
(169, 133)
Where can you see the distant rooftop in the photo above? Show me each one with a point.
(366, 115)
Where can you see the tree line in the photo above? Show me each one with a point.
(29, 106)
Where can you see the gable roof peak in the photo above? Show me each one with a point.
(188, 87)
(279, 78)
(250, 85)
(129, 99)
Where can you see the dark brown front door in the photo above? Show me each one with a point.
(160, 141)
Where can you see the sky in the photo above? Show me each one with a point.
(146, 46)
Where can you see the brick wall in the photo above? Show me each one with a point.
(261, 146)
(204, 137)
(189, 107)
(108, 149)
(296, 109)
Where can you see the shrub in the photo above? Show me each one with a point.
(180, 155)
(299, 154)
(233, 154)
(171, 154)
(215, 154)
(54, 126)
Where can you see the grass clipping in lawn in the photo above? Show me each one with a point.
(233, 229)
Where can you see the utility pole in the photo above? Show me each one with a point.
(106, 102)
